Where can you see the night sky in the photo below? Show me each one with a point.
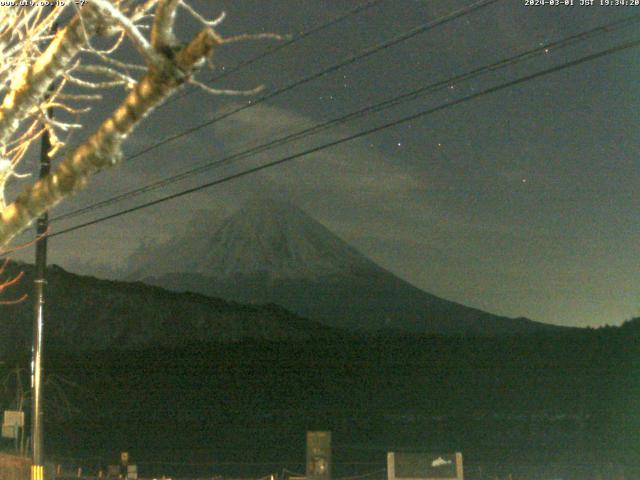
(523, 202)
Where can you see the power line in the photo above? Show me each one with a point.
(359, 9)
(348, 61)
(365, 53)
(359, 113)
(423, 113)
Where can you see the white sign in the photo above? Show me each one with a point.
(424, 466)
(13, 422)
(9, 431)
(13, 418)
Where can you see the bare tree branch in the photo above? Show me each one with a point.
(103, 148)
(30, 84)
(168, 64)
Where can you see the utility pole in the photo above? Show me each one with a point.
(39, 282)
(37, 464)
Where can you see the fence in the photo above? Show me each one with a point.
(13, 467)
(471, 472)
(552, 472)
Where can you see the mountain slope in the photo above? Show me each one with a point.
(85, 313)
(273, 252)
(272, 239)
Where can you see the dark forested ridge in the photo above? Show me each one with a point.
(562, 397)
(190, 378)
(86, 313)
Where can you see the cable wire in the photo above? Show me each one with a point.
(348, 61)
(541, 50)
(356, 11)
(423, 113)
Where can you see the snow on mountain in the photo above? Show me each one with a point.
(273, 252)
(267, 237)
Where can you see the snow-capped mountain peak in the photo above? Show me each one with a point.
(271, 238)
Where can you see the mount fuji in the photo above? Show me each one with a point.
(273, 252)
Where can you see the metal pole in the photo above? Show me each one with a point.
(37, 467)
(37, 443)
